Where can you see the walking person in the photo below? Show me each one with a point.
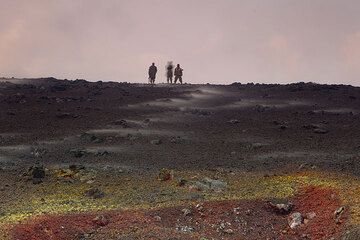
(178, 74)
(152, 73)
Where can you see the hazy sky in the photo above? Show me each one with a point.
(217, 41)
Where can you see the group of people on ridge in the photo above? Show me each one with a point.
(170, 73)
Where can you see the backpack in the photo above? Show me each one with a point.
(178, 71)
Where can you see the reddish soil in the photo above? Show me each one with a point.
(223, 219)
(323, 202)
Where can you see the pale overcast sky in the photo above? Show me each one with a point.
(217, 41)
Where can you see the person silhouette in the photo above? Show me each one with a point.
(178, 74)
(152, 73)
(169, 72)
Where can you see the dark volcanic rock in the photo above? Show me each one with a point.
(94, 193)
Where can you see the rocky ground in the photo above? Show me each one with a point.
(104, 160)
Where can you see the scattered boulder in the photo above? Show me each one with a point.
(295, 220)
(281, 208)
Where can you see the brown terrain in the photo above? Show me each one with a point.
(103, 160)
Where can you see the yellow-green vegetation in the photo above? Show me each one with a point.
(146, 191)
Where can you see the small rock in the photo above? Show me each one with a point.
(175, 140)
(199, 207)
(281, 208)
(311, 126)
(91, 138)
(234, 121)
(307, 236)
(283, 127)
(182, 182)
(156, 142)
(38, 172)
(94, 193)
(225, 228)
(310, 215)
(185, 229)
(38, 152)
(237, 210)
(102, 153)
(78, 153)
(76, 168)
(37, 180)
(194, 196)
(186, 212)
(210, 184)
(101, 221)
(228, 231)
(295, 220)
(66, 115)
(321, 131)
(121, 123)
(165, 175)
(157, 218)
(338, 213)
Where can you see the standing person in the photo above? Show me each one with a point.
(169, 72)
(152, 73)
(178, 74)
